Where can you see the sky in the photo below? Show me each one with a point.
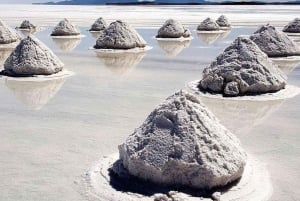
(41, 1)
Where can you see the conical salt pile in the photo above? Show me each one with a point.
(7, 34)
(242, 69)
(65, 28)
(27, 25)
(208, 25)
(119, 35)
(223, 22)
(274, 43)
(173, 29)
(293, 27)
(182, 143)
(32, 57)
(99, 25)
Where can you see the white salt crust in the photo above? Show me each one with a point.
(133, 50)
(174, 39)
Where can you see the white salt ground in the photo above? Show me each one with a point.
(254, 185)
(290, 91)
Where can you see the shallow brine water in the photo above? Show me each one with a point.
(53, 131)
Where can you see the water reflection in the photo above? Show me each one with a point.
(241, 116)
(208, 38)
(35, 94)
(67, 44)
(28, 32)
(120, 63)
(173, 48)
(96, 34)
(287, 66)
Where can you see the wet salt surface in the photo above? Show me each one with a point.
(45, 150)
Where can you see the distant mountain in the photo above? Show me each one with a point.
(164, 2)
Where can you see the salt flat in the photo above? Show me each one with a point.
(45, 150)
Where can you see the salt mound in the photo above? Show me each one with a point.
(7, 34)
(182, 143)
(223, 22)
(293, 27)
(274, 43)
(65, 28)
(99, 25)
(119, 35)
(173, 29)
(208, 25)
(26, 25)
(32, 57)
(242, 69)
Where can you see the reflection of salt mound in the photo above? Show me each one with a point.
(4, 54)
(27, 25)
(96, 34)
(225, 34)
(65, 28)
(32, 57)
(223, 22)
(240, 117)
(208, 25)
(242, 69)
(119, 35)
(293, 27)
(173, 29)
(209, 38)
(28, 32)
(121, 63)
(7, 34)
(67, 44)
(286, 66)
(173, 48)
(99, 25)
(182, 143)
(274, 43)
(35, 94)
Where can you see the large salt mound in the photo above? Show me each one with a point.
(293, 27)
(119, 35)
(27, 25)
(274, 43)
(173, 29)
(32, 57)
(65, 28)
(99, 25)
(182, 143)
(222, 21)
(208, 25)
(242, 69)
(7, 34)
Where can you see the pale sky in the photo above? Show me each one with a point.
(41, 1)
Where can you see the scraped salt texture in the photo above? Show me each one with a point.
(173, 48)
(209, 38)
(182, 143)
(7, 34)
(293, 27)
(99, 25)
(254, 185)
(32, 57)
(121, 63)
(34, 95)
(120, 35)
(223, 22)
(242, 69)
(208, 25)
(67, 44)
(173, 29)
(65, 28)
(26, 24)
(274, 43)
